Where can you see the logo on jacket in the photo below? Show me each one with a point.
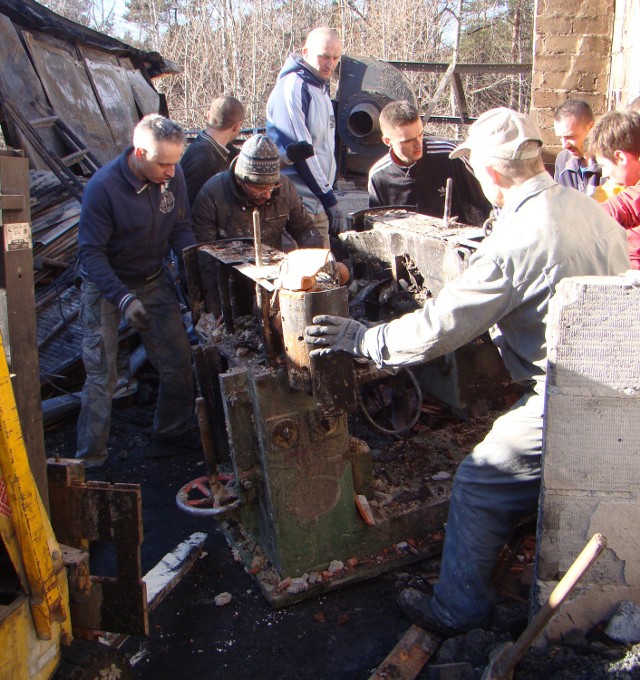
(167, 202)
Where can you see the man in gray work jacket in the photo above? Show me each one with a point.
(133, 210)
(506, 289)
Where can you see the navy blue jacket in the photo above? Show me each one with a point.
(127, 227)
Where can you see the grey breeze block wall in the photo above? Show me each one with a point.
(591, 464)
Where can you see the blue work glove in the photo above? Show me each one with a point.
(336, 334)
(336, 219)
(299, 151)
(137, 316)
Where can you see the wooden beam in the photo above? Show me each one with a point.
(407, 658)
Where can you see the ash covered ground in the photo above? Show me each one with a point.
(345, 634)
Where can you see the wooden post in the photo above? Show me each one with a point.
(18, 310)
(257, 237)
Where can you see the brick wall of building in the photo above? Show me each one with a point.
(572, 57)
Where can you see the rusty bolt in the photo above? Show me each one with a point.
(285, 433)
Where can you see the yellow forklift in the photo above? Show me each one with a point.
(35, 613)
(52, 609)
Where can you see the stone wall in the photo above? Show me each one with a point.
(571, 57)
(591, 476)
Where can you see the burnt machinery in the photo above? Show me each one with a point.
(299, 500)
(365, 87)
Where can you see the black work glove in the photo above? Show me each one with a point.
(336, 219)
(299, 151)
(137, 316)
(336, 334)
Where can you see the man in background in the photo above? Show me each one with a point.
(572, 122)
(211, 151)
(614, 141)
(300, 109)
(415, 171)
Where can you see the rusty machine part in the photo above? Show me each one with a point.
(366, 86)
(294, 468)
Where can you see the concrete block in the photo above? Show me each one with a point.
(573, 456)
(591, 480)
(594, 326)
(624, 625)
(569, 520)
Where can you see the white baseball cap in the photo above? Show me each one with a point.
(499, 133)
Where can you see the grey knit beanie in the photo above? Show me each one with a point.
(259, 161)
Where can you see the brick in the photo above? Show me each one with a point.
(553, 62)
(601, 25)
(566, 45)
(549, 24)
(594, 44)
(590, 63)
(556, 80)
(549, 98)
(549, 139)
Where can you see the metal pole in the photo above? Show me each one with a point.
(447, 202)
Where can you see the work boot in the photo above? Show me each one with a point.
(417, 607)
(93, 461)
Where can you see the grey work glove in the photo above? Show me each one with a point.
(336, 219)
(336, 334)
(299, 151)
(137, 316)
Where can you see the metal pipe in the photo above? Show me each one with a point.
(447, 202)
(55, 408)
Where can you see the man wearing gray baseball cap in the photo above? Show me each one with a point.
(543, 233)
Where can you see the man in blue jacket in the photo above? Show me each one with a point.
(133, 210)
(300, 109)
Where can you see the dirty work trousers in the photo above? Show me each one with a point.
(497, 484)
(167, 348)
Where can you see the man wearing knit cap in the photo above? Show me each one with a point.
(506, 290)
(225, 205)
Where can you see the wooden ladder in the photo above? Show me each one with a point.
(60, 166)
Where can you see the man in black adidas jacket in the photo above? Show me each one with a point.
(416, 169)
